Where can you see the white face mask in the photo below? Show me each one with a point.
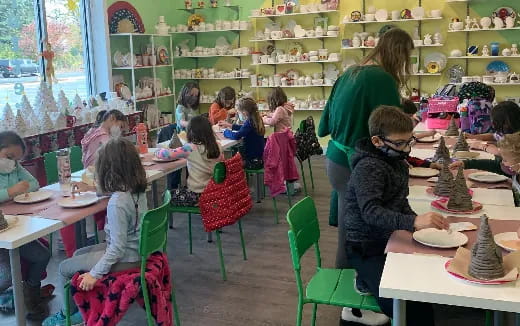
(115, 131)
(7, 165)
(241, 116)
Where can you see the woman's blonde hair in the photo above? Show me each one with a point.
(247, 104)
(511, 143)
(393, 53)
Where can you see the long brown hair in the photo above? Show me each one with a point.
(226, 94)
(119, 168)
(199, 132)
(247, 104)
(393, 54)
(276, 98)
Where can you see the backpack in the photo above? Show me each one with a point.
(307, 143)
(475, 107)
(476, 90)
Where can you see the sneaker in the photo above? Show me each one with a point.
(360, 287)
(58, 319)
(365, 317)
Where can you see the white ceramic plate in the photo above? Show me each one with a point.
(11, 222)
(81, 200)
(462, 226)
(465, 155)
(508, 240)
(440, 238)
(431, 139)
(423, 172)
(487, 177)
(160, 160)
(33, 197)
(381, 15)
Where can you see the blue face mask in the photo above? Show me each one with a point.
(241, 116)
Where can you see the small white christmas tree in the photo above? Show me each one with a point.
(26, 106)
(46, 124)
(78, 102)
(44, 100)
(61, 121)
(20, 125)
(63, 102)
(8, 117)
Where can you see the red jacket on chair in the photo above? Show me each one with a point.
(279, 164)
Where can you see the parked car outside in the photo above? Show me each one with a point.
(18, 68)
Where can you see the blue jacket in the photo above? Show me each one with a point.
(253, 142)
(7, 180)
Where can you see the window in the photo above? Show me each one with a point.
(25, 26)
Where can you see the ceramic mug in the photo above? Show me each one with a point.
(370, 17)
(396, 14)
(467, 79)
(276, 35)
(418, 42)
(456, 26)
(477, 79)
(488, 79)
(264, 59)
(436, 13)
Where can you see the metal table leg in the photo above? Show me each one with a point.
(399, 318)
(16, 273)
(155, 198)
(78, 230)
(498, 318)
(517, 320)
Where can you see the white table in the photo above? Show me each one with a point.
(424, 153)
(498, 197)
(493, 211)
(28, 228)
(423, 278)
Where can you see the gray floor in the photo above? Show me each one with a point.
(259, 291)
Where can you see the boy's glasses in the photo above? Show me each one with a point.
(400, 144)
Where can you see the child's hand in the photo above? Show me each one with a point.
(19, 188)
(224, 124)
(455, 165)
(430, 220)
(436, 166)
(87, 281)
(518, 233)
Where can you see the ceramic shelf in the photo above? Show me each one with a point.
(208, 8)
(426, 74)
(457, 1)
(297, 86)
(485, 30)
(430, 46)
(297, 62)
(212, 56)
(295, 38)
(212, 78)
(489, 57)
(213, 31)
(295, 14)
(141, 67)
(139, 34)
(495, 84)
(152, 98)
(358, 48)
(393, 21)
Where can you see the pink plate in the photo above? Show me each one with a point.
(429, 191)
(463, 278)
(441, 204)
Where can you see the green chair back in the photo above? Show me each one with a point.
(50, 163)
(304, 231)
(154, 229)
(76, 159)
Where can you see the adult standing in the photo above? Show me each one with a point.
(359, 91)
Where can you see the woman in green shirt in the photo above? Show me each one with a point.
(359, 91)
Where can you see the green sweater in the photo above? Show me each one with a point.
(486, 165)
(358, 92)
(7, 180)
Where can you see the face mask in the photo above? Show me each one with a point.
(498, 136)
(115, 131)
(192, 101)
(241, 116)
(394, 153)
(7, 165)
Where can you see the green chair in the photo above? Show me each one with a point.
(50, 163)
(76, 159)
(327, 286)
(153, 237)
(218, 176)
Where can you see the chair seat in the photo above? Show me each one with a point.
(250, 171)
(185, 209)
(336, 287)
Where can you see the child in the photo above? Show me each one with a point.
(377, 205)
(118, 171)
(222, 107)
(188, 103)
(252, 131)
(110, 125)
(14, 181)
(203, 152)
(281, 111)
(510, 152)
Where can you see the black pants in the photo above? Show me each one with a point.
(369, 261)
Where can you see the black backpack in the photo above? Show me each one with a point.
(307, 143)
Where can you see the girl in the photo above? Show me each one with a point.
(510, 152)
(281, 111)
(252, 131)
(222, 107)
(188, 103)
(109, 125)
(15, 180)
(118, 171)
(202, 152)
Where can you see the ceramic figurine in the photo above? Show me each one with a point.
(474, 25)
(485, 22)
(506, 52)
(514, 49)
(162, 28)
(188, 4)
(437, 38)
(485, 51)
(510, 22)
(468, 23)
(498, 22)
(370, 42)
(428, 39)
(202, 4)
(514, 78)
(473, 50)
(214, 3)
(356, 42)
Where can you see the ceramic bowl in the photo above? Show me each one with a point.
(332, 33)
(314, 58)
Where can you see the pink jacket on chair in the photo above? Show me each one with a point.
(279, 164)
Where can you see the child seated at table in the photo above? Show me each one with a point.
(377, 205)
(203, 152)
(510, 151)
(280, 110)
(222, 108)
(252, 132)
(188, 103)
(16, 180)
(119, 172)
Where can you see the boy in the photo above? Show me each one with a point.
(377, 205)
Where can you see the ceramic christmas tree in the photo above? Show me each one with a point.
(453, 129)
(44, 101)
(26, 106)
(461, 145)
(460, 199)
(486, 256)
(444, 182)
(3, 221)
(61, 121)
(8, 117)
(78, 103)
(20, 125)
(63, 102)
(46, 124)
(79, 108)
(441, 154)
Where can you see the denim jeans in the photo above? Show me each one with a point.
(37, 256)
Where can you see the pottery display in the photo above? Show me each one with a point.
(162, 28)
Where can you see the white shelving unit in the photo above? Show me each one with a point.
(212, 31)
(297, 62)
(392, 21)
(371, 47)
(294, 14)
(471, 57)
(212, 56)
(294, 38)
(484, 30)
